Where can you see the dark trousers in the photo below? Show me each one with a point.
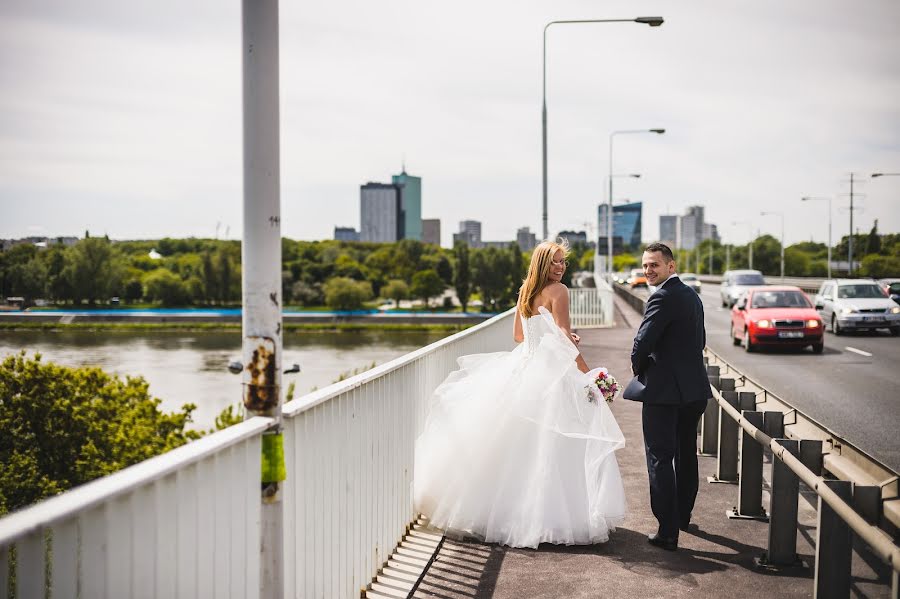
(670, 440)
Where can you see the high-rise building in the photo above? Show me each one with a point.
(692, 227)
(431, 230)
(410, 204)
(380, 217)
(469, 233)
(573, 237)
(626, 227)
(711, 231)
(526, 239)
(669, 230)
(346, 234)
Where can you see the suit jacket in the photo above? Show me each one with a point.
(667, 357)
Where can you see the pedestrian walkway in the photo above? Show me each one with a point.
(714, 559)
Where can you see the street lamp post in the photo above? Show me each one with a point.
(609, 205)
(651, 21)
(809, 199)
(781, 214)
(750, 242)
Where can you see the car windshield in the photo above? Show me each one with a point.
(863, 290)
(749, 280)
(688, 278)
(779, 299)
(894, 288)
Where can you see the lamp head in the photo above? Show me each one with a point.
(652, 21)
(658, 131)
(877, 175)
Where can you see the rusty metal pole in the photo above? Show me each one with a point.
(261, 273)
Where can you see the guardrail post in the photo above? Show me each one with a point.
(749, 505)
(782, 551)
(833, 547)
(811, 455)
(867, 501)
(727, 462)
(746, 400)
(709, 423)
(773, 424)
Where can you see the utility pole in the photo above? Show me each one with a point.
(850, 241)
(710, 257)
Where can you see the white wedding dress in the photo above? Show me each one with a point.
(514, 453)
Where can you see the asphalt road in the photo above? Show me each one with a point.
(852, 388)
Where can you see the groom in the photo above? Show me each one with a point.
(671, 381)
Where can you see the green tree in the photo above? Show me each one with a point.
(426, 284)
(462, 276)
(93, 270)
(307, 294)
(880, 267)
(491, 277)
(342, 293)
(164, 286)
(516, 273)
(396, 290)
(873, 242)
(68, 426)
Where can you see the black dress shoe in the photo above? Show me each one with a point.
(684, 526)
(663, 542)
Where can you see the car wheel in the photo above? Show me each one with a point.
(748, 345)
(724, 304)
(895, 331)
(835, 327)
(734, 338)
(818, 347)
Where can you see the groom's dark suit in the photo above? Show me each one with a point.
(671, 381)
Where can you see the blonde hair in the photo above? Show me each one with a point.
(538, 275)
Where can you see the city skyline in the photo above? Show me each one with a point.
(115, 120)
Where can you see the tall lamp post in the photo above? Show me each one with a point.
(750, 242)
(651, 21)
(809, 199)
(609, 206)
(781, 214)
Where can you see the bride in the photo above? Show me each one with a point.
(512, 451)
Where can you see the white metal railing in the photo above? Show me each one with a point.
(349, 453)
(187, 523)
(183, 524)
(591, 307)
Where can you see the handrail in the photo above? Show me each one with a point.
(52, 510)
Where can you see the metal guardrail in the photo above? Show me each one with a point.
(591, 307)
(845, 506)
(807, 284)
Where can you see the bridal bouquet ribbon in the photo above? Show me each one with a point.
(603, 385)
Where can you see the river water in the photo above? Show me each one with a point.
(191, 367)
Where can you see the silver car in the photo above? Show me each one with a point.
(856, 304)
(691, 280)
(736, 282)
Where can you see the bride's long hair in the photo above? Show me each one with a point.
(539, 273)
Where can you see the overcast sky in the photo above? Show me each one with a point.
(124, 118)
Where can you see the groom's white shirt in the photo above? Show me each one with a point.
(674, 275)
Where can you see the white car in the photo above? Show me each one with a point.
(736, 282)
(856, 304)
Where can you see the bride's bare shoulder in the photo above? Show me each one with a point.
(556, 289)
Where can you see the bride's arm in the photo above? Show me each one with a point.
(518, 334)
(560, 312)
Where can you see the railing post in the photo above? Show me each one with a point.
(811, 455)
(751, 477)
(833, 547)
(727, 461)
(783, 509)
(261, 274)
(709, 423)
(746, 401)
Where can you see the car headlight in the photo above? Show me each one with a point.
(764, 324)
(848, 310)
(895, 310)
(814, 324)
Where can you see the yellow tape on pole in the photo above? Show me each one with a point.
(273, 469)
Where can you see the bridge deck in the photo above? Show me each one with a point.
(714, 559)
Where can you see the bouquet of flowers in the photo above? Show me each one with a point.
(603, 384)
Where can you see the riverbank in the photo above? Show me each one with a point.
(199, 327)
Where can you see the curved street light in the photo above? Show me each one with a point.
(609, 206)
(809, 199)
(651, 21)
(875, 175)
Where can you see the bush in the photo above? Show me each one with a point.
(880, 267)
(342, 293)
(164, 286)
(396, 290)
(66, 426)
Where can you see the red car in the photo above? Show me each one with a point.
(776, 316)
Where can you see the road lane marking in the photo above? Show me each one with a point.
(858, 351)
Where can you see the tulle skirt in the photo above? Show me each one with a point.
(514, 453)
